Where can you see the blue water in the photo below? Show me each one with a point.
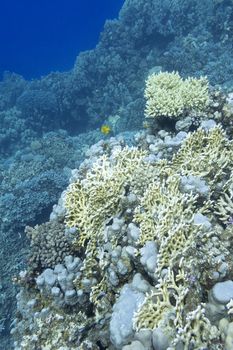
(37, 37)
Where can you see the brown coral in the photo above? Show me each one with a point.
(49, 245)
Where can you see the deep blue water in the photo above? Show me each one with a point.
(40, 36)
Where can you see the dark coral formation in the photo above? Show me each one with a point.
(49, 245)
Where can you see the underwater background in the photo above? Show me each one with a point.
(40, 37)
(73, 73)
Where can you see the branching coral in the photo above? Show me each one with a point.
(167, 94)
(89, 203)
(164, 306)
(205, 154)
(92, 202)
(162, 204)
(198, 331)
(224, 205)
(166, 215)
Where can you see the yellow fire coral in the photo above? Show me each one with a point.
(224, 205)
(167, 94)
(165, 215)
(157, 309)
(205, 154)
(92, 201)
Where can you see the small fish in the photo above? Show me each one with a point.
(105, 129)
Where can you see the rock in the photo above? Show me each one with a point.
(159, 339)
(140, 284)
(149, 256)
(145, 337)
(222, 292)
(135, 345)
(49, 277)
(121, 324)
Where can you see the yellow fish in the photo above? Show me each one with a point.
(105, 129)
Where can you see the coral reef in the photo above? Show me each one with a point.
(150, 266)
(48, 125)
